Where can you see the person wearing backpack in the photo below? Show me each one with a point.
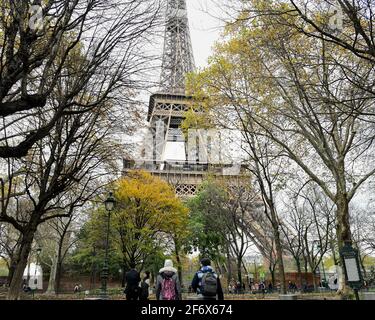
(132, 278)
(206, 283)
(167, 283)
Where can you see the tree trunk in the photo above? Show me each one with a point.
(279, 252)
(229, 263)
(179, 268)
(361, 260)
(219, 269)
(52, 278)
(239, 270)
(12, 268)
(299, 270)
(306, 270)
(58, 276)
(343, 224)
(21, 260)
(335, 260)
(314, 280)
(62, 249)
(343, 235)
(178, 259)
(59, 266)
(272, 271)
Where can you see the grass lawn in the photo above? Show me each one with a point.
(3, 270)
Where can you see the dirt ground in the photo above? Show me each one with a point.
(82, 296)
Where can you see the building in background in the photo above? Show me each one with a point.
(34, 273)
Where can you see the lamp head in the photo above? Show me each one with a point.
(110, 202)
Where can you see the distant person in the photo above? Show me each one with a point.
(77, 288)
(167, 283)
(262, 288)
(366, 285)
(232, 286)
(206, 283)
(256, 286)
(238, 287)
(133, 279)
(230, 289)
(252, 288)
(292, 286)
(24, 284)
(25, 287)
(145, 287)
(270, 288)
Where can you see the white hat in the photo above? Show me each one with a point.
(168, 263)
(168, 267)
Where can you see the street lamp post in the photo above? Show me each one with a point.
(352, 267)
(109, 206)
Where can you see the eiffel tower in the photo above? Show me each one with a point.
(168, 106)
(167, 153)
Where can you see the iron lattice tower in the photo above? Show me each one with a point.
(167, 110)
(167, 107)
(178, 59)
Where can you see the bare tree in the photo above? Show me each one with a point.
(59, 84)
(73, 157)
(9, 240)
(96, 43)
(347, 24)
(57, 237)
(293, 228)
(289, 97)
(238, 203)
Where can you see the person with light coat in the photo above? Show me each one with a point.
(168, 285)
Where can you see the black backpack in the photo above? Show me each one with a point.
(132, 282)
(144, 291)
(208, 284)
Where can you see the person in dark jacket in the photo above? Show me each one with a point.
(270, 288)
(132, 278)
(197, 282)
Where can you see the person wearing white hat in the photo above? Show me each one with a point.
(168, 285)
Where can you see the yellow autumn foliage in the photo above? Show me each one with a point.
(148, 203)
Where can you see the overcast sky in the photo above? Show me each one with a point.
(204, 28)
